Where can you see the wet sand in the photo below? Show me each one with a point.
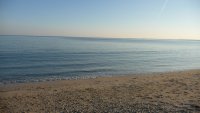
(155, 92)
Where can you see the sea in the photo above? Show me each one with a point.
(47, 58)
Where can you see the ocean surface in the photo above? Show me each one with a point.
(34, 58)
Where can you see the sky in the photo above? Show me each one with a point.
(164, 19)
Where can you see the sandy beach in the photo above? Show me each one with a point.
(155, 92)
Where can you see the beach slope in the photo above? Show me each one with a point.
(156, 92)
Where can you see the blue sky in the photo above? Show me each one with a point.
(102, 18)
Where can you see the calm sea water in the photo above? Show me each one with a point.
(29, 58)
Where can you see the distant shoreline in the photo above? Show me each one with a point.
(108, 38)
(177, 91)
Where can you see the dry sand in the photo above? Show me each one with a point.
(158, 92)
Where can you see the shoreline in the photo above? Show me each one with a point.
(68, 78)
(177, 91)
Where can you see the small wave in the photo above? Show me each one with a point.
(51, 78)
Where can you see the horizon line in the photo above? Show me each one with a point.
(98, 37)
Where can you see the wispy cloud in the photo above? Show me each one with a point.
(163, 7)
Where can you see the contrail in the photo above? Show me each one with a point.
(163, 7)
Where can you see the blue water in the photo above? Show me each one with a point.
(31, 58)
